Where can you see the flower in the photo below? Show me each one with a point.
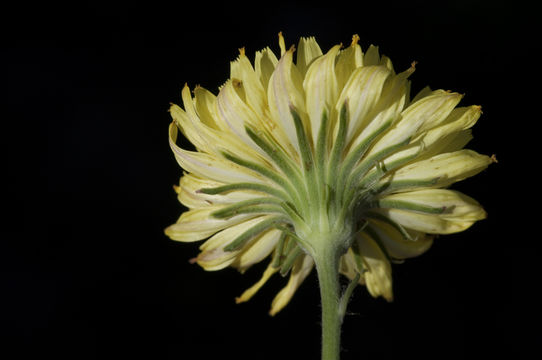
(325, 154)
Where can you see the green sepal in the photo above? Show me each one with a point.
(321, 147)
(304, 146)
(283, 162)
(363, 168)
(292, 235)
(349, 164)
(290, 259)
(254, 231)
(407, 205)
(378, 240)
(279, 249)
(270, 174)
(362, 268)
(284, 247)
(256, 167)
(363, 226)
(338, 145)
(382, 169)
(288, 167)
(290, 244)
(395, 185)
(297, 220)
(245, 186)
(245, 206)
(369, 230)
(359, 151)
(253, 209)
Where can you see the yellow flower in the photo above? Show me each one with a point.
(327, 153)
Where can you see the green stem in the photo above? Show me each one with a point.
(327, 266)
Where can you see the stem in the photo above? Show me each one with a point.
(327, 266)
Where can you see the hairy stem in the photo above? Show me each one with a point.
(333, 305)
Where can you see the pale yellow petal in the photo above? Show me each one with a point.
(257, 250)
(233, 110)
(200, 129)
(397, 246)
(187, 192)
(189, 123)
(205, 103)
(460, 211)
(212, 167)
(198, 133)
(255, 93)
(299, 272)
(182, 121)
(386, 62)
(307, 50)
(209, 137)
(437, 139)
(362, 92)
(445, 169)
(349, 267)
(286, 90)
(250, 292)
(198, 224)
(432, 110)
(348, 60)
(420, 116)
(455, 141)
(409, 152)
(321, 89)
(190, 196)
(389, 106)
(432, 224)
(264, 65)
(372, 56)
(214, 257)
(426, 91)
(378, 277)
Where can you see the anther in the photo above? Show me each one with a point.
(355, 39)
(494, 158)
(236, 83)
(281, 44)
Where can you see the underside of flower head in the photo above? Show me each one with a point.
(307, 143)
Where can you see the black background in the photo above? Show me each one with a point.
(87, 272)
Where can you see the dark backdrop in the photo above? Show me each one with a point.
(87, 272)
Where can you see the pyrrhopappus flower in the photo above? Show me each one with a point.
(321, 159)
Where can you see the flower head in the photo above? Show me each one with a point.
(324, 153)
